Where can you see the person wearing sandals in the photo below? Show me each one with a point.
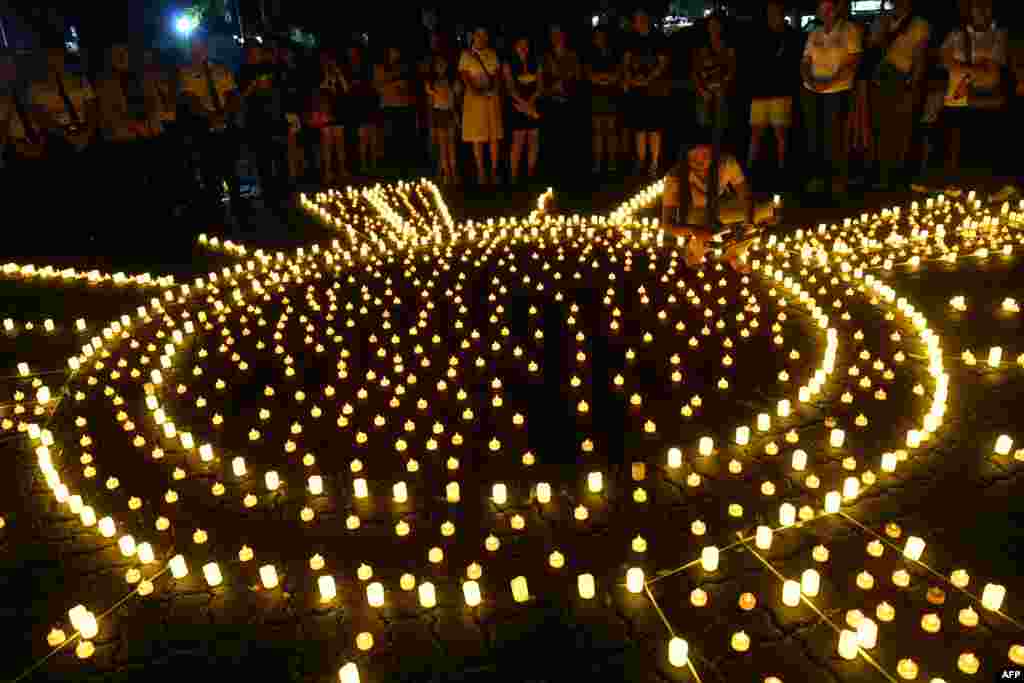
(440, 86)
(482, 125)
(523, 78)
(685, 199)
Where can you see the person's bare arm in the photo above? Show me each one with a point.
(807, 71)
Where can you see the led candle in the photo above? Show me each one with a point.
(833, 501)
(595, 482)
(836, 438)
(706, 446)
(635, 580)
(764, 422)
(427, 594)
(268, 575)
(848, 644)
(763, 537)
(360, 488)
(742, 435)
(499, 494)
(179, 569)
(709, 558)
(585, 586)
(799, 460)
(867, 634)
(520, 590)
(678, 652)
(992, 596)
(787, 514)
(1003, 445)
(675, 458)
(211, 572)
(471, 592)
(791, 593)
(914, 547)
(375, 594)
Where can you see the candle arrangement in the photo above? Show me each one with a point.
(381, 375)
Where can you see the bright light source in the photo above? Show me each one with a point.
(185, 25)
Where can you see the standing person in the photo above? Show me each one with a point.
(22, 145)
(394, 81)
(124, 122)
(167, 143)
(603, 70)
(212, 99)
(974, 55)
(482, 126)
(561, 104)
(774, 61)
(829, 65)
(646, 63)
(901, 41)
(265, 125)
(66, 109)
(361, 107)
(332, 135)
(292, 97)
(523, 77)
(714, 74)
(440, 89)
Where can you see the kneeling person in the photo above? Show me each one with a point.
(685, 199)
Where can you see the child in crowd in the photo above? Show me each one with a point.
(441, 91)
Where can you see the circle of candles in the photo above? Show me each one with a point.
(698, 597)
(968, 663)
(907, 669)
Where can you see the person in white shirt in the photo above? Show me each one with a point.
(829, 65)
(213, 100)
(896, 84)
(974, 55)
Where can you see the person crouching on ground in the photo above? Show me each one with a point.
(685, 199)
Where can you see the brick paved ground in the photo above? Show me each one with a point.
(967, 505)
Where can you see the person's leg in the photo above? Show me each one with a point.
(515, 153)
(478, 156)
(611, 137)
(326, 162)
(809, 105)
(596, 143)
(495, 146)
(533, 151)
(655, 141)
(756, 133)
(641, 150)
(840, 104)
(781, 136)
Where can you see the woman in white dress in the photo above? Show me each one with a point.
(480, 71)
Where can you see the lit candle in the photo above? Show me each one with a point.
(810, 582)
(867, 634)
(913, 548)
(635, 580)
(992, 596)
(585, 585)
(791, 593)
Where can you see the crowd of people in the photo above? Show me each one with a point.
(885, 96)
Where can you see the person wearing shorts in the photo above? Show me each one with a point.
(440, 88)
(776, 64)
(603, 69)
(647, 84)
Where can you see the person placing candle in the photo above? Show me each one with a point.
(685, 198)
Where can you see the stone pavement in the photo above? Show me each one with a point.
(965, 503)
